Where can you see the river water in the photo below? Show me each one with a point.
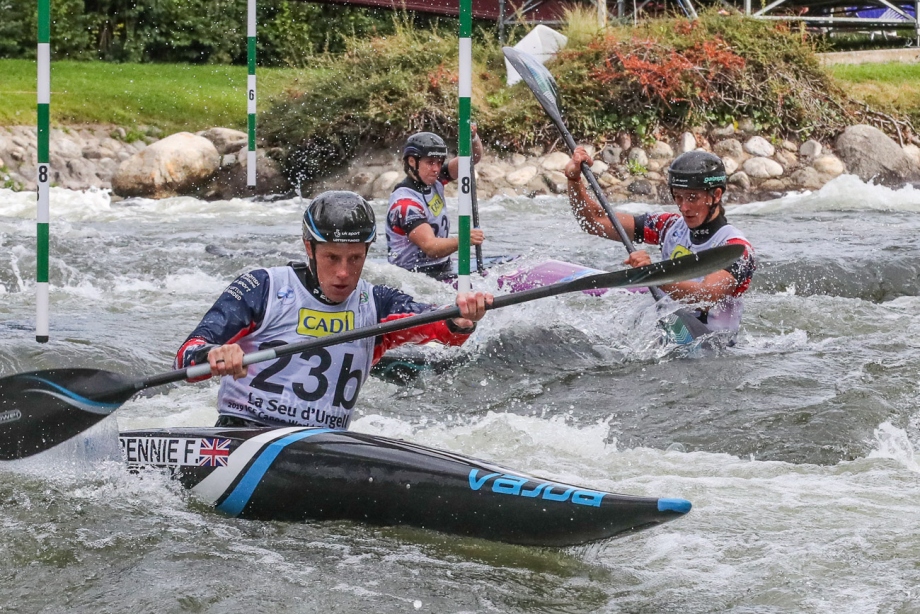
(797, 447)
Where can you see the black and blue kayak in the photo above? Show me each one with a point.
(300, 474)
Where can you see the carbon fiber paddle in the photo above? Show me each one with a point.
(41, 409)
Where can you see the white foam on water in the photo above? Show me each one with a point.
(844, 193)
(96, 205)
(894, 444)
(69, 205)
(185, 405)
(767, 526)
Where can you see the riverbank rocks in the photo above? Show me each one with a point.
(829, 165)
(212, 164)
(172, 166)
(730, 148)
(872, 155)
(226, 140)
(762, 168)
(230, 180)
(759, 146)
(810, 149)
(687, 142)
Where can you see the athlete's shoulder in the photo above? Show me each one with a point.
(390, 301)
(250, 284)
(656, 225)
(732, 234)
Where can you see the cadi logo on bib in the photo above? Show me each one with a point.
(679, 251)
(312, 323)
(436, 205)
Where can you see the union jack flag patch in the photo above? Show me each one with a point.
(214, 453)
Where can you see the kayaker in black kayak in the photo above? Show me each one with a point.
(279, 305)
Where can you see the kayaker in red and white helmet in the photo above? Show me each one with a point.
(697, 181)
(280, 305)
(417, 226)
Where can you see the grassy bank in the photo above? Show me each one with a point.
(894, 87)
(384, 88)
(172, 97)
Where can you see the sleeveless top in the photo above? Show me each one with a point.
(409, 208)
(318, 387)
(670, 231)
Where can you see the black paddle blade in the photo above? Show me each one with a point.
(538, 79)
(41, 409)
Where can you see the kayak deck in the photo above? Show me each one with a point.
(298, 474)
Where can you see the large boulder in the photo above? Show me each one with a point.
(179, 164)
(231, 181)
(226, 140)
(872, 155)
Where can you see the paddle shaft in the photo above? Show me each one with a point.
(665, 271)
(475, 210)
(599, 194)
(383, 328)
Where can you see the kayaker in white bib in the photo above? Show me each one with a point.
(280, 305)
(697, 181)
(417, 226)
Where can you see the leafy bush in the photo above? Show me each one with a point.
(379, 90)
(674, 74)
(662, 76)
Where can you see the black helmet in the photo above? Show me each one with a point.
(339, 217)
(697, 170)
(425, 145)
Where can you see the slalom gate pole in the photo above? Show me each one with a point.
(464, 146)
(251, 91)
(44, 170)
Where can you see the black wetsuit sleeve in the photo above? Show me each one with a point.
(639, 222)
(444, 177)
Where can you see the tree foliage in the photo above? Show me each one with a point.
(193, 31)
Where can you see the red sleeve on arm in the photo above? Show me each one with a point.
(436, 331)
(193, 352)
(743, 268)
(188, 356)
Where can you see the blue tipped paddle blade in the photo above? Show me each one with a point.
(41, 409)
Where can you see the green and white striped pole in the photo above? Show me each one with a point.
(465, 145)
(251, 91)
(44, 170)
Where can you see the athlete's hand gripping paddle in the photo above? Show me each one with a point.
(682, 325)
(41, 409)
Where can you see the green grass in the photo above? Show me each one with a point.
(172, 97)
(893, 87)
